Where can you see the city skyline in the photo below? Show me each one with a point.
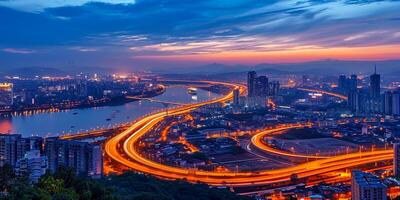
(161, 35)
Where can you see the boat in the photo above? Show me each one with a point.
(192, 91)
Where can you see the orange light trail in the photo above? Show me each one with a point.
(121, 149)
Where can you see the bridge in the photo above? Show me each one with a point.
(157, 101)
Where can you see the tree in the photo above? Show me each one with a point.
(7, 175)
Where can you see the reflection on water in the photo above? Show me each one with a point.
(77, 120)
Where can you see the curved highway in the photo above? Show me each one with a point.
(121, 149)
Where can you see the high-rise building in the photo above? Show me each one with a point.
(396, 103)
(352, 83)
(375, 85)
(396, 160)
(387, 103)
(236, 97)
(365, 186)
(274, 88)
(251, 83)
(342, 83)
(12, 148)
(375, 92)
(262, 86)
(32, 164)
(81, 156)
(95, 161)
(6, 94)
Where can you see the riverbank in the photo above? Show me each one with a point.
(116, 101)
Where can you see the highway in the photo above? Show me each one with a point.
(340, 96)
(121, 149)
(257, 141)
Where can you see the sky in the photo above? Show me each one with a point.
(141, 34)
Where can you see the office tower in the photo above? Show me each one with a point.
(262, 86)
(352, 83)
(95, 161)
(12, 148)
(32, 164)
(396, 160)
(274, 88)
(6, 94)
(342, 83)
(251, 83)
(365, 186)
(375, 92)
(353, 99)
(387, 103)
(305, 80)
(375, 85)
(396, 103)
(236, 97)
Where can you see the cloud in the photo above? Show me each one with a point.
(121, 29)
(41, 5)
(18, 51)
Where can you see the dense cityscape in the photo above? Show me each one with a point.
(290, 136)
(199, 100)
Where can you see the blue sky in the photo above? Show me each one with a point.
(154, 33)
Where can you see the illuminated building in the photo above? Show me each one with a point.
(83, 157)
(387, 102)
(6, 94)
(236, 94)
(375, 91)
(396, 160)
(251, 83)
(262, 86)
(396, 103)
(32, 164)
(342, 83)
(365, 186)
(12, 148)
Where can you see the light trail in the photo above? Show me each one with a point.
(121, 149)
(340, 96)
(257, 141)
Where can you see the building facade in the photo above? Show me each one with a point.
(366, 186)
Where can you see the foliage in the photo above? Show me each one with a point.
(65, 185)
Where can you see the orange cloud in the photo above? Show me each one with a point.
(297, 54)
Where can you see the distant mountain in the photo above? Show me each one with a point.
(34, 71)
(322, 67)
(335, 67)
(48, 71)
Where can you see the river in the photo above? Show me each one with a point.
(78, 120)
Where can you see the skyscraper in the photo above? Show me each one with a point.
(251, 83)
(396, 103)
(396, 160)
(236, 97)
(262, 86)
(375, 85)
(365, 186)
(353, 83)
(342, 83)
(388, 103)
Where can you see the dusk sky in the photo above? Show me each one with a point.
(167, 33)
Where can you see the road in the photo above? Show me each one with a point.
(121, 149)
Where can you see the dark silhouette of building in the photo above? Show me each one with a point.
(251, 83)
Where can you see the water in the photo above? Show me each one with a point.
(78, 120)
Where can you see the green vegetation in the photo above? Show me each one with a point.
(65, 185)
